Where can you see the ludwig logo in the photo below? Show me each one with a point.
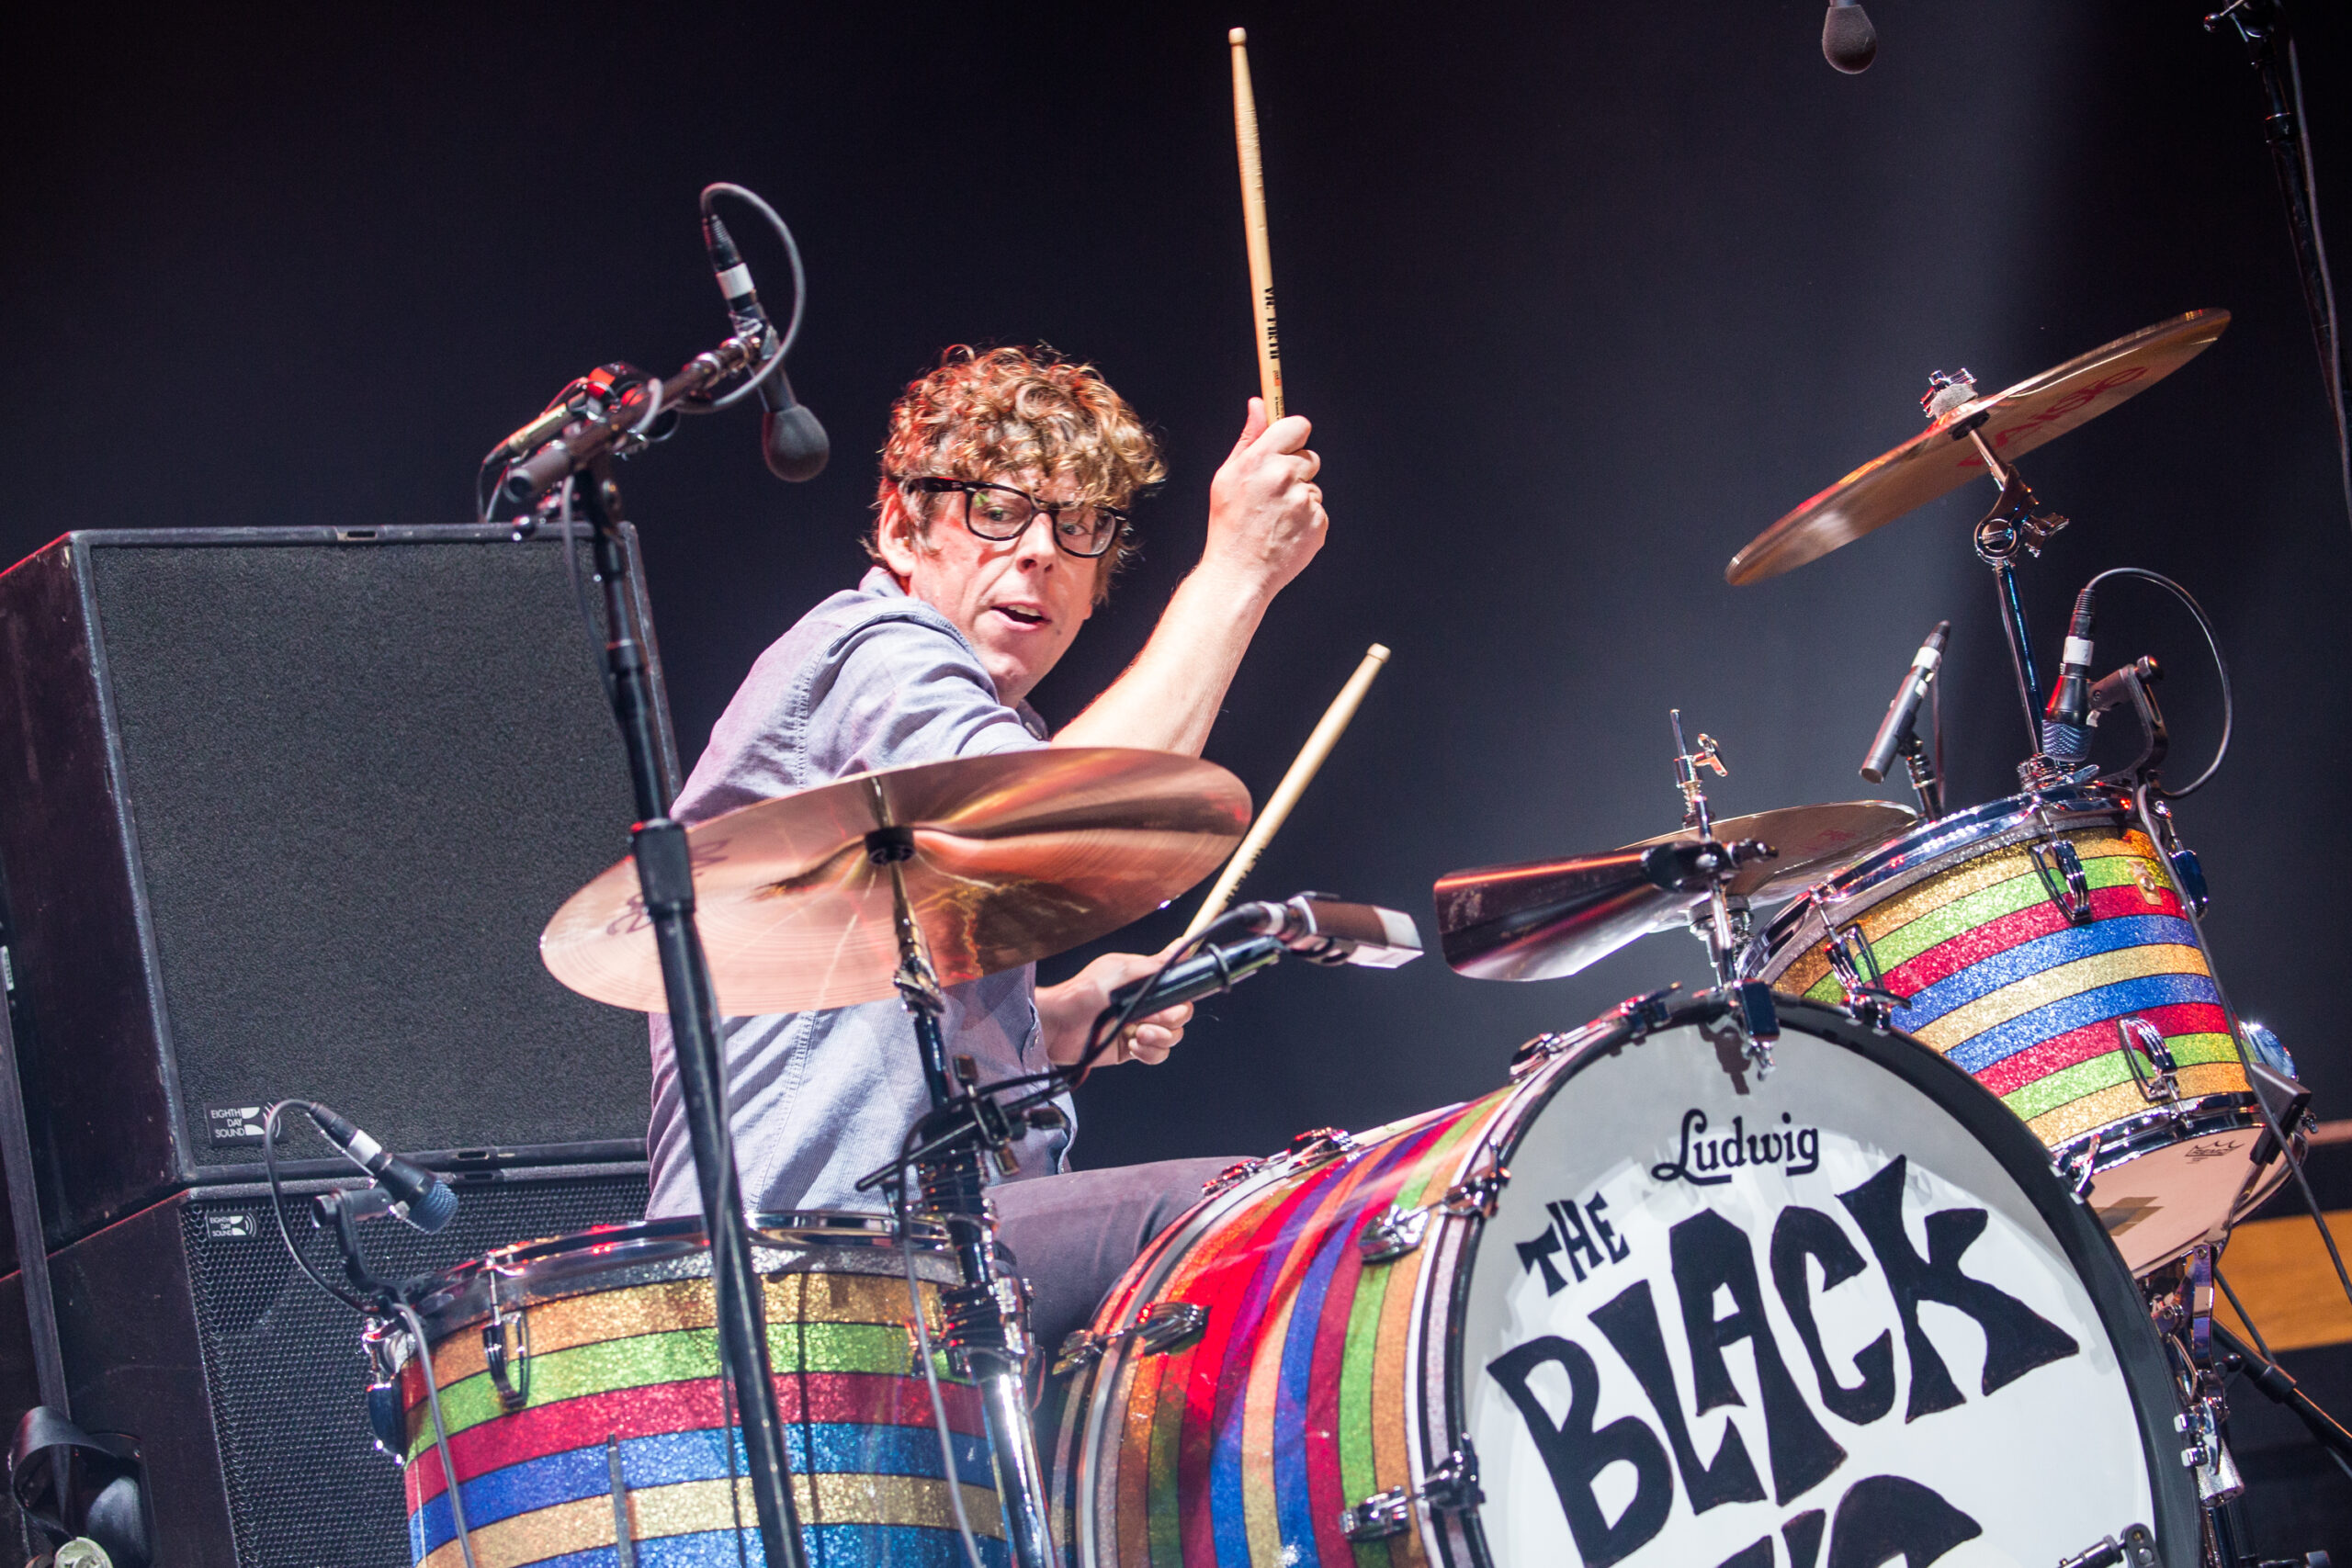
(1709, 1162)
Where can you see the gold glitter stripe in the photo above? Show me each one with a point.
(667, 1305)
(2056, 984)
(1879, 920)
(585, 1524)
(2096, 1111)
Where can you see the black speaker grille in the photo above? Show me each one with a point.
(362, 777)
(282, 1361)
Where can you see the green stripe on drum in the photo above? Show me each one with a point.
(2070, 1084)
(1986, 904)
(650, 1359)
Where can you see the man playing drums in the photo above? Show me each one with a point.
(1001, 516)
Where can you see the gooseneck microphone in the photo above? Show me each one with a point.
(1847, 40)
(2066, 721)
(1313, 925)
(1905, 708)
(790, 438)
(418, 1196)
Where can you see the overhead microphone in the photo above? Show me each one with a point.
(1847, 40)
(1905, 708)
(419, 1197)
(790, 438)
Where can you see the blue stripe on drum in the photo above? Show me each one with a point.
(665, 1459)
(1981, 1051)
(828, 1546)
(2027, 959)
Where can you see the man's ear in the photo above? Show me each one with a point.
(897, 537)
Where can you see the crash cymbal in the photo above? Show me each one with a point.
(1549, 919)
(1942, 459)
(1017, 855)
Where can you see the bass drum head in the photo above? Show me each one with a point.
(1835, 1317)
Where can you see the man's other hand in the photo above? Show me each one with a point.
(1266, 516)
(1064, 1012)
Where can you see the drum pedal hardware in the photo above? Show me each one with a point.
(2136, 1549)
(1451, 1488)
(1164, 1326)
(2062, 878)
(2156, 1081)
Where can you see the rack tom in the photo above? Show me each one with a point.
(579, 1380)
(2041, 943)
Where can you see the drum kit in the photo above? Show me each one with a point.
(1961, 1128)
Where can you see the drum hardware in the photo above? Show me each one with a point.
(2142, 1039)
(1758, 1019)
(1451, 1488)
(511, 1397)
(1397, 1231)
(2061, 868)
(1163, 1326)
(1858, 972)
(617, 1481)
(2083, 1168)
(2137, 1548)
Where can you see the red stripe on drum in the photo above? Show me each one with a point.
(2060, 1052)
(1997, 936)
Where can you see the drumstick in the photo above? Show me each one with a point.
(1302, 772)
(1253, 222)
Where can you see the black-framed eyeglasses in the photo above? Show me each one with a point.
(1000, 514)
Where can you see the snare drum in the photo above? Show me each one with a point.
(2040, 943)
(1641, 1307)
(580, 1384)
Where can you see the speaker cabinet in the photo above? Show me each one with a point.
(282, 812)
(188, 1326)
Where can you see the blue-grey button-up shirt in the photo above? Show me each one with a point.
(869, 679)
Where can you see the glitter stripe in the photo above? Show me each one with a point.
(664, 1306)
(900, 1546)
(2094, 1110)
(1981, 1049)
(2018, 1070)
(699, 1506)
(688, 1353)
(2042, 954)
(1958, 951)
(2065, 1086)
(695, 1406)
(2032, 997)
(674, 1457)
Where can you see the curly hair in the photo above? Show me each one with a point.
(989, 413)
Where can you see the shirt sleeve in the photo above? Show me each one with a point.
(899, 689)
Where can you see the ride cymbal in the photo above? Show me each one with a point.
(1014, 857)
(1942, 459)
(1549, 919)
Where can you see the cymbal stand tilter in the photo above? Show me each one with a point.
(1722, 923)
(986, 1316)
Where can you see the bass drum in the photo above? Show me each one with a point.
(1645, 1307)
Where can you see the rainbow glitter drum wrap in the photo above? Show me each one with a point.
(1973, 922)
(608, 1406)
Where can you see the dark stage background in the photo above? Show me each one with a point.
(1580, 298)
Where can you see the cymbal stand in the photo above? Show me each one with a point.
(1725, 930)
(2019, 523)
(986, 1316)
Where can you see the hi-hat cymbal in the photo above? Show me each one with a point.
(1016, 856)
(1942, 459)
(1549, 919)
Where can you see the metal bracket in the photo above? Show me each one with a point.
(1759, 1021)
(1648, 1012)
(1451, 1488)
(1395, 1233)
(2082, 1169)
(2062, 878)
(2156, 1081)
(2136, 1549)
(1163, 1326)
(1233, 1175)
(496, 1357)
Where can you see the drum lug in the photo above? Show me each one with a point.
(496, 1357)
(2141, 1038)
(1164, 1326)
(2136, 1549)
(1395, 1233)
(1451, 1488)
(1233, 1175)
(1855, 966)
(1314, 1147)
(2083, 1170)
(2062, 878)
(1642, 1014)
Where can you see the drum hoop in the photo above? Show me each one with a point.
(2139, 1353)
(2160, 1127)
(1931, 847)
(609, 1258)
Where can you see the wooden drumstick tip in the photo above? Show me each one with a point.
(1238, 37)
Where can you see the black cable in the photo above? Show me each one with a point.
(2243, 1316)
(2334, 344)
(580, 592)
(2220, 668)
(277, 1204)
(710, 193)
(903, 1214)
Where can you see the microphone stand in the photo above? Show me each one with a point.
(665, 881)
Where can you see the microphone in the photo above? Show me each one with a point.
(1214, 968)
(1320, 927)
(2065, 722)
(1906, 705)
(1847, 40)
(418, 1196)
(790, 438)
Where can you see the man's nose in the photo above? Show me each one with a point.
(1036, 541)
